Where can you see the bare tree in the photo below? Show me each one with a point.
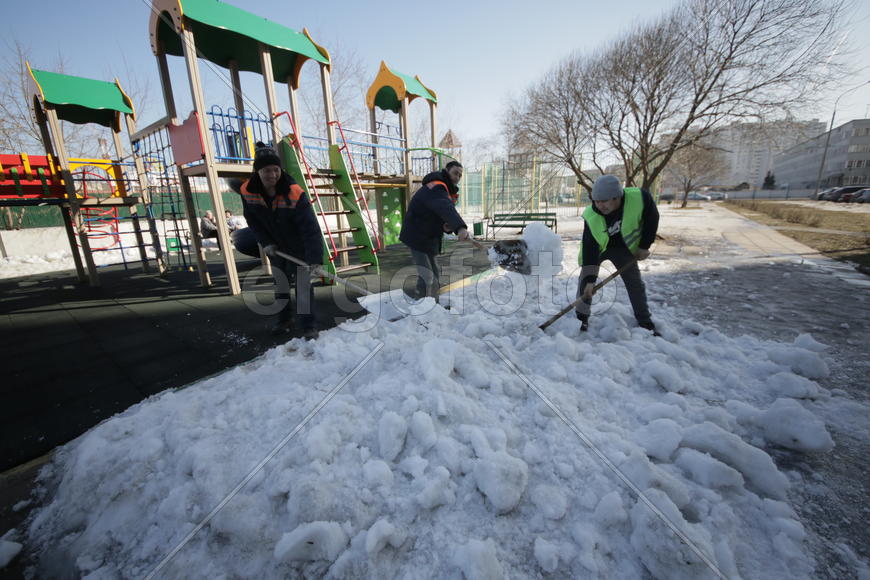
(550, 120)
(708, 63)
(349, 83)
(694, 166)
(476, 152)
(18, 128)
(704, 64)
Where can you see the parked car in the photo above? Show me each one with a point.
(696, 196)
(837, 194)
(666, 196)
(716, 195)
(862, 196)
(820, 196)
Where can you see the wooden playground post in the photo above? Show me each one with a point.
(141, 176)
(433, 130)
(239, 101)
(329, 113)
(166, 83)
(406, 152)
(373, 122)
(271, 100)
(75, 208)
(190, 58)
(195, 233)
(326, 85)
(65, 213)
(272, 107)
(294, 106)
(134, 214)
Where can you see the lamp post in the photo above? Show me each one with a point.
(828, 136)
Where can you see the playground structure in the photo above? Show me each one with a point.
(344, 172)
(394, 91)
(338, 171)
(88, 192)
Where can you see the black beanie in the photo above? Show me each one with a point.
(265, 156)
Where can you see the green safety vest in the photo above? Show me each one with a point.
(632, 212)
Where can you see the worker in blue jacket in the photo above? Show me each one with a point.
(282, 218)
(432, 213)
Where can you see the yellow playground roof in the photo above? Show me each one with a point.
(391, 87)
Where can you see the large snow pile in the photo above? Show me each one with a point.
(438, 458)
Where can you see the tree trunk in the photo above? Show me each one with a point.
(685, 199)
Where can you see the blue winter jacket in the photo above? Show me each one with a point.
(287, 221)
(428, 212)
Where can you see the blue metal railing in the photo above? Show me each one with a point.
(229, 133)
(369, 157)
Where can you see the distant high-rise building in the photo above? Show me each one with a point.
(847, 161)
(750, 148)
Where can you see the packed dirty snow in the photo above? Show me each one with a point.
(8, 551)
(437, 459)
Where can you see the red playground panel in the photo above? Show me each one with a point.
(26, 176)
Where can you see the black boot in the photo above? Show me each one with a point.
(584, 322)
(284, 324)
(649, 326)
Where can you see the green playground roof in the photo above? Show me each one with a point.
(81, 100)
(224, 33)
(391, 87)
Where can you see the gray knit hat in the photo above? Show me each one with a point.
(606, 187)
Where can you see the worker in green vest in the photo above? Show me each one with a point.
(620, 225)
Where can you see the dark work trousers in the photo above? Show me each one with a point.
(428, 275)
(292, 273)
(619, 256)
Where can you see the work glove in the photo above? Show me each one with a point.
(271, 250)
(587, 293)
(641, 254)
(462, 234)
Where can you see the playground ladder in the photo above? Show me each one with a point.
(335, 201)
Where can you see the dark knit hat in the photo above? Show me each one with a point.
(265, 156)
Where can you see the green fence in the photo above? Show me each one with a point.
(505, 186)
(164, 207)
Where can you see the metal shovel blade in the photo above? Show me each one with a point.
(512, 255)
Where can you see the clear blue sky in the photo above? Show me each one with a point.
(473, 53)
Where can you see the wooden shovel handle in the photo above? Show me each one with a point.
(323, 272)
(595, 289)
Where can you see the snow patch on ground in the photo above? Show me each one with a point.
(438, 457)
(9, 548)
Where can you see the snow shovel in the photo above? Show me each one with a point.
(376, 302)
(510, 254)
(318, 271)
(595, 289)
